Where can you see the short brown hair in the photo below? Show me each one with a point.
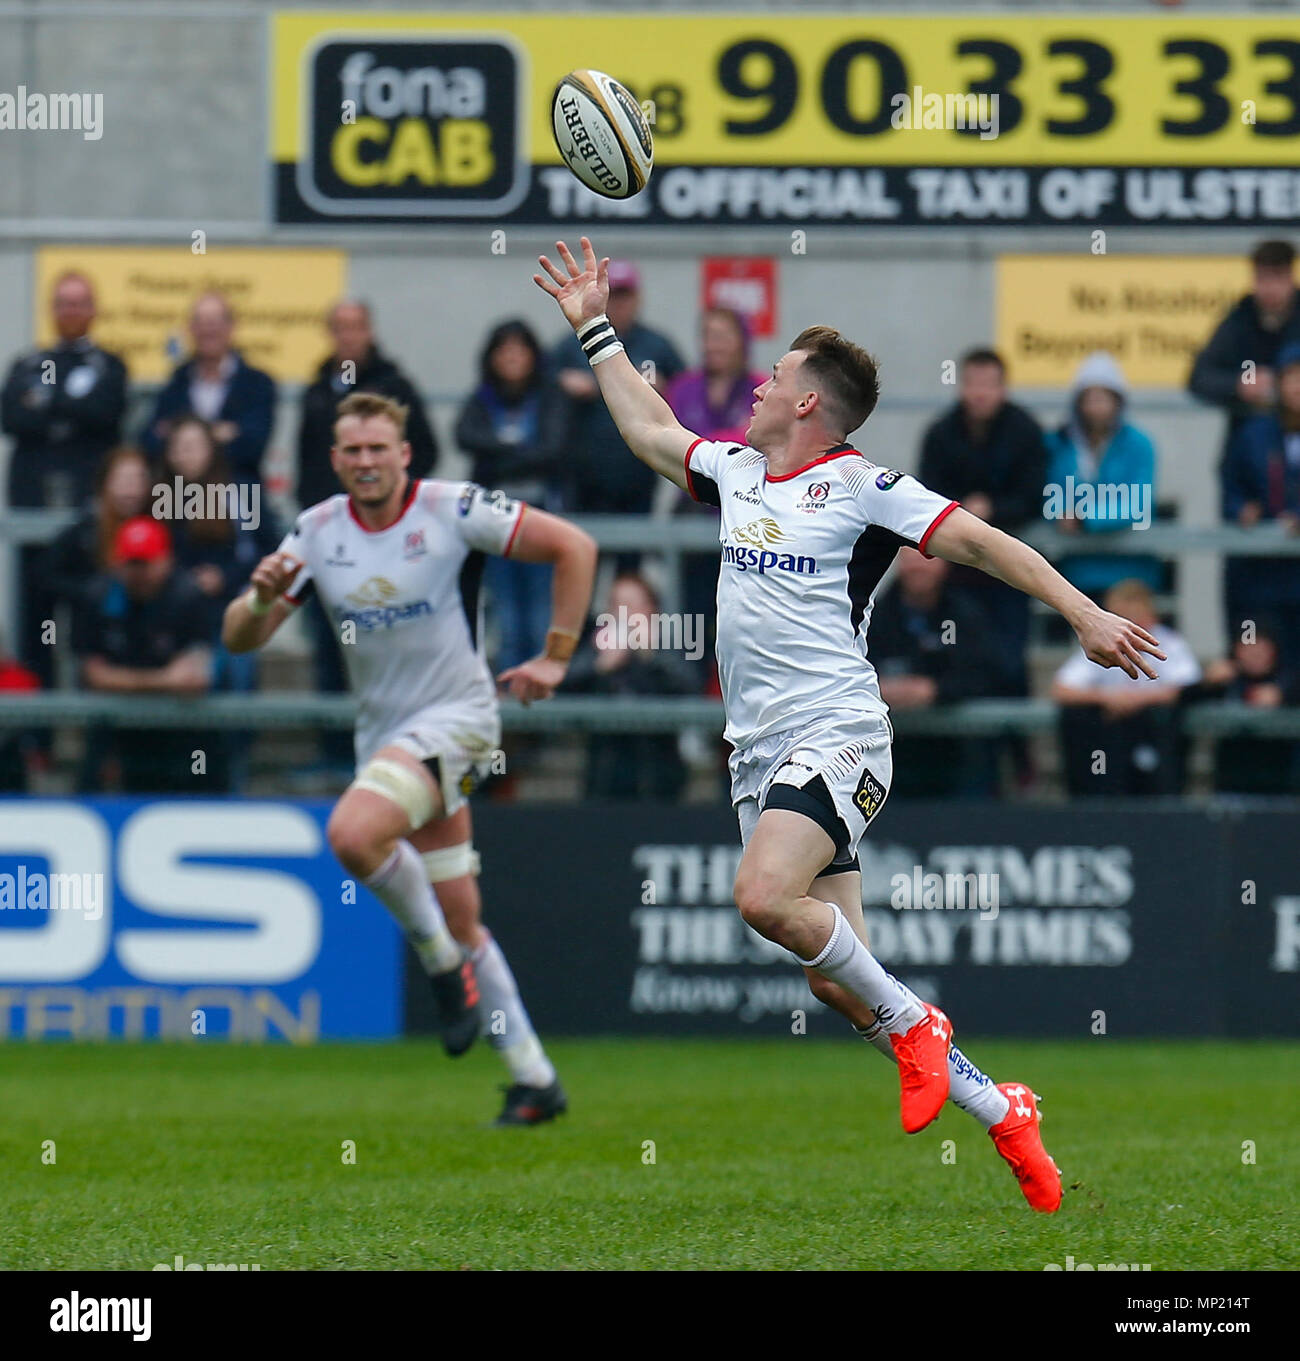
(367, 404)
(1273, 255)
(846, 374)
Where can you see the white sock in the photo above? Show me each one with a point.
(400, 884)
(505, 1021)
(968, 1089)
(846, 961)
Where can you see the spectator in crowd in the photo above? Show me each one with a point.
(605, 475)
(1101, 477)
(1254, 331)
(78, 557)
(988, 453)
(84, 550)
(144, 631)
(620, 659)
(217, 550)
(64, 407)
(1254, 675)
(931, 645)
(1122, 735)
(16, 747)
(355, 364)
(219, 385)
(515, 426)
(715, 401)
(1261, 482)
(218, 546)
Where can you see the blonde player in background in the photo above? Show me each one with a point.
(809, 527)
(400, 561)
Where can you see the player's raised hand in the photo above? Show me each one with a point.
(1111, 640)
(532, 680)
(582, 293)
(274, 575)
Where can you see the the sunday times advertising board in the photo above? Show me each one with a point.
(1072, 921)
(794, 118)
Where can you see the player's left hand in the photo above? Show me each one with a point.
(534, 679)
(1111, 640)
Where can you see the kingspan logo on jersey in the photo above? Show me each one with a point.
(752, 551)
(374, 605)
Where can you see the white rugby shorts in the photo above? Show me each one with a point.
(851, 753)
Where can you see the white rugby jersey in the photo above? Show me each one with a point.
(411, 593)
(802, 556)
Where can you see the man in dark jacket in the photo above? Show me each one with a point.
(64, 408)
(355, 364)
(216, 383)
(989, 454)
(931, 645)
(1261, 482)
(605, 476)
(1253, 332)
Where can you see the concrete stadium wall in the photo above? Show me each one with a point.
(184, 147)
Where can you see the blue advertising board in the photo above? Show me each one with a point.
(222, 919)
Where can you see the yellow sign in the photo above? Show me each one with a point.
(795, 89)
(144, 295)
(1153, 314)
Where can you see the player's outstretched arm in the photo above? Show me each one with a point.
(572, 552)
(644, 419)
(1107, 639)
(251, 618)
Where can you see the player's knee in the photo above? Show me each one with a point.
(353, 844)
(761, 901)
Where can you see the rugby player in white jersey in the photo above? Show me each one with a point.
(396, 562)
(808, 528)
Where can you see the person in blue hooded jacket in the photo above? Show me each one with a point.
(1101, 477)
(1261, 481)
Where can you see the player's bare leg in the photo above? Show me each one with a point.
(451, 866)
(1007, 1110)
(367, 831)
(775, 895)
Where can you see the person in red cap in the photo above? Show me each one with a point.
(144, 630)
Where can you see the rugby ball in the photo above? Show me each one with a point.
(602, 134)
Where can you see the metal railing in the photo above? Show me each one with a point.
(698, 533)
(279, 710)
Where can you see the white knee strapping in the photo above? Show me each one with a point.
(451, 862)
(400, 785)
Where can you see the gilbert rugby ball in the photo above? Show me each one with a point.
(602, 134)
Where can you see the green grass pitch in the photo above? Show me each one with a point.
(771, 1154)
